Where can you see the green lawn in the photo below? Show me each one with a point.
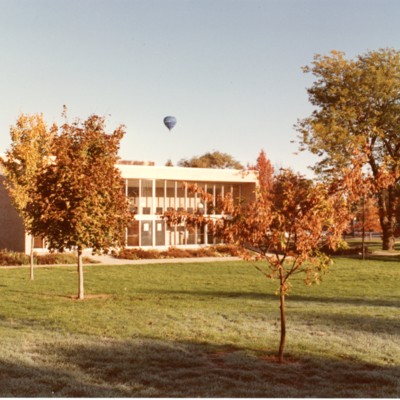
(208, 330)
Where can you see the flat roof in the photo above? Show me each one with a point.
(186, 174)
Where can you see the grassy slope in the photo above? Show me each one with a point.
(199, 330)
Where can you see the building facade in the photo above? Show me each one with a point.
(151, 191)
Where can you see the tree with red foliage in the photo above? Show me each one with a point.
(286, 224)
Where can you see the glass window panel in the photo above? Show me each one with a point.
(181, 231)
(170, 195)
(191, 236)
(210, 191)
(160, 233)
(190, 199)
(38, 243)
(146, 199)
(200, 235)
(133, 234)
(160, 194)
(180, 196)
(219, 195)
(200, 206)
(133, 194)
(236, 193)
(146, 233)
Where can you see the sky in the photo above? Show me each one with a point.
(230, 71)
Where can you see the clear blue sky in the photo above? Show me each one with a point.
(228, 70)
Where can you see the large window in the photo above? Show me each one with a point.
(151, 197)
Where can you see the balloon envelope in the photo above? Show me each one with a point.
(169, 122)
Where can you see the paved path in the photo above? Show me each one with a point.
(109, 260)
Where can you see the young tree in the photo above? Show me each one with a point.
(287, 230)
(358, 111)
(216, 159)
(79, 199)
(30, 150)
(286, 224)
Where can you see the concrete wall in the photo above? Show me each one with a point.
(186, 174)
(12, 232)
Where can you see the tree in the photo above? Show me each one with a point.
(215, 159)
(286, 224)
(30, 150)
(367, 215)
(358, 112)
(265, 173)
(79, 200)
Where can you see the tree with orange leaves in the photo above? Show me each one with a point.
(79, 200)
(286, 224)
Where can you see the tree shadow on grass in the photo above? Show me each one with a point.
(351, 322)
(268, 296)
(154, 368)
(372, 257)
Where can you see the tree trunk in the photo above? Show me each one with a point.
(363, 228)
(283, 322)
(387, 216)
(31, 258)
(388, 240)
(81, 293)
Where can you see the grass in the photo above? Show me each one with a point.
(199, 330)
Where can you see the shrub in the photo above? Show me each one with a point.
(203, 252)
(137, 254)
(13, 258)
(60, 258)
(227, 250)
(175, 252)
(55, 258)
(345, 251)
(220, 250)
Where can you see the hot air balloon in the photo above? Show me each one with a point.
(169, 122)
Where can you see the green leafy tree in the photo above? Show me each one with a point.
(357, 118)
(30, 150)
(79, 199)
(216, 159)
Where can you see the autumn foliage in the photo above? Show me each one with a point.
(285, 225)
(356, 124)
(78, 200)
(30, 150)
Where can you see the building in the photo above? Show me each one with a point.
(151, 191)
